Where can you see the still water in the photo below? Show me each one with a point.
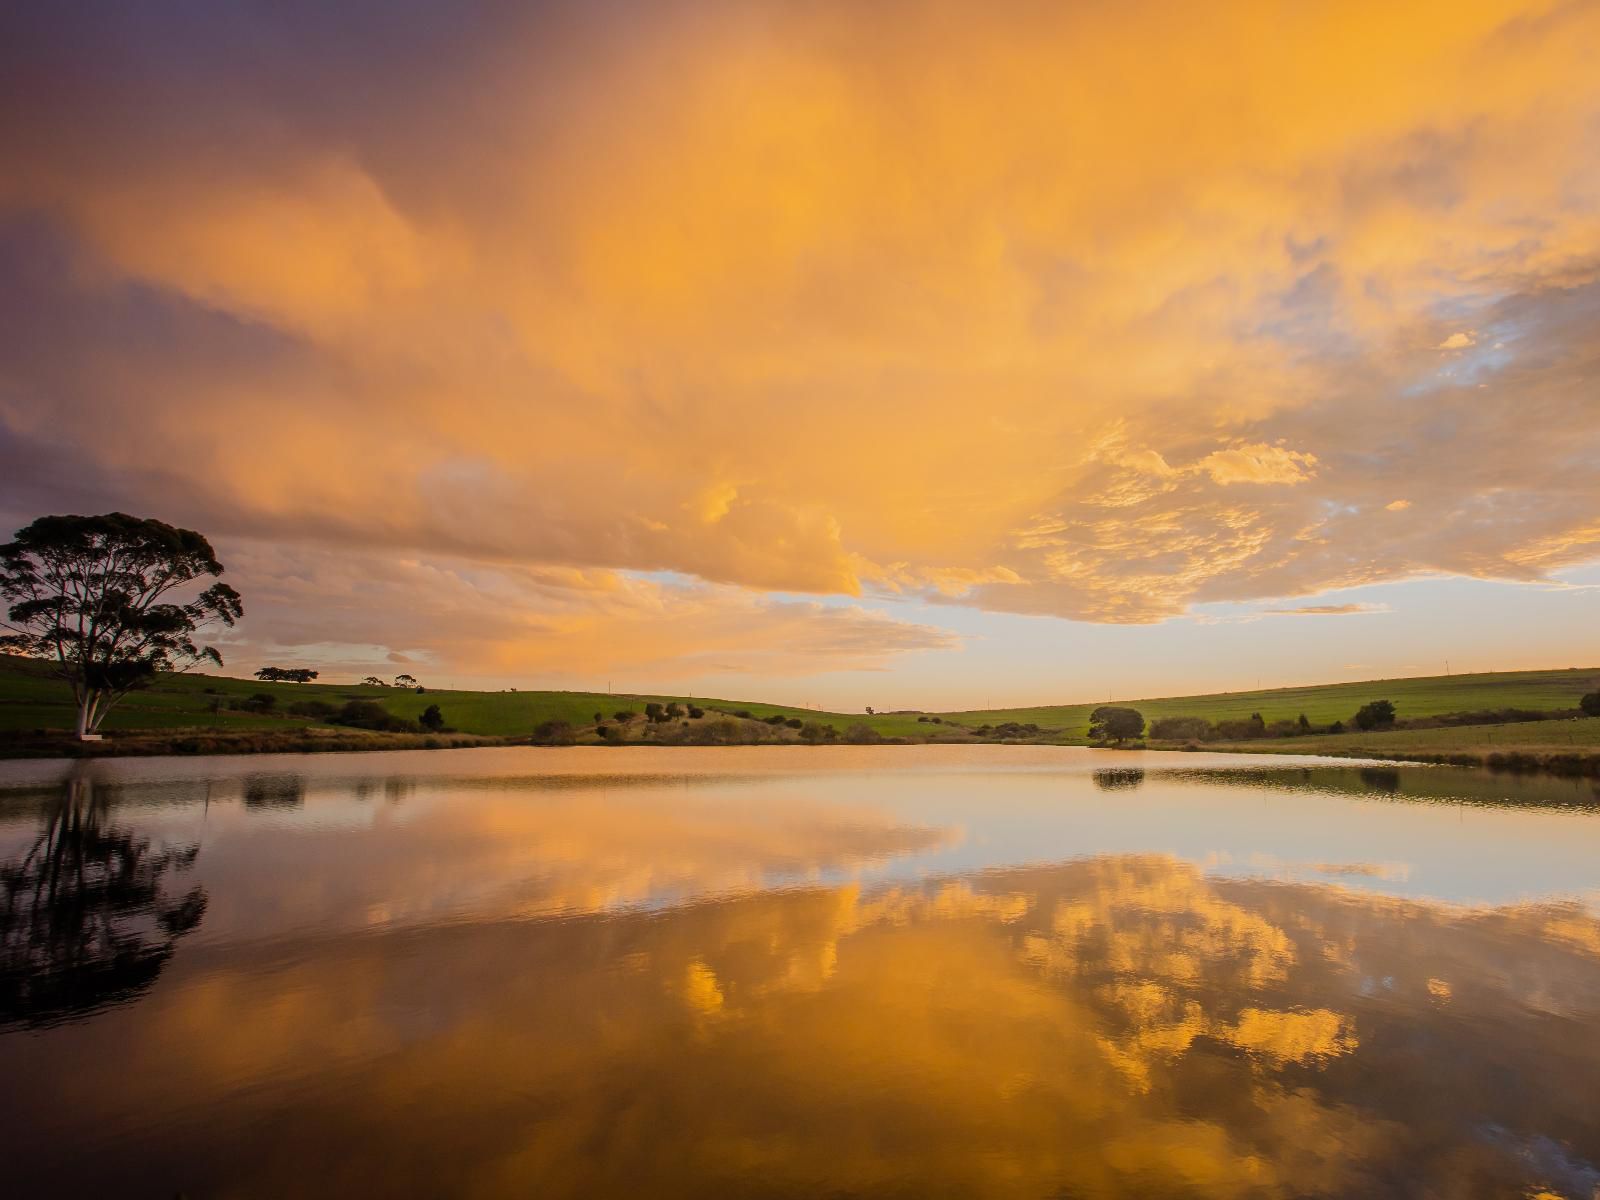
(782, 971)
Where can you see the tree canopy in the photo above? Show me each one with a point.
(286, 674)
(1109, 723)
(1375, 715)
(99, 596)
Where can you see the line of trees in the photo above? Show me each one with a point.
(286, 674)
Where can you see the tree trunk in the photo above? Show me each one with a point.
(89, 717)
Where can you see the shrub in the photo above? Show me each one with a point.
(795, 723)
(776, 719)
(1336, 727)
(811, 731)
(674, 710)
(1379, 714)
(654, 713)
(696, 712)
(1590, 704)
(369, 714)
(261, 702)
(863, 735)
(553, 733)
(1179, 729)
(321, 710)
(622, 716)
(724, 731)
(1239, 731)
(432, 719)
(745, 713)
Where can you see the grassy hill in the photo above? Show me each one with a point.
(31, 700)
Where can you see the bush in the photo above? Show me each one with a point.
(1179, 729)
(1590, 705)
(795, 723)
(696, 712)
(321, 710)
(261, 702)
(724, 731)
(776, 719)
(654, 713)
(622, 716)
(554, 733)
(1377, 715)
(811, 731)
(1239, 731)
(863, 735)
(432, 719)
(369, 714)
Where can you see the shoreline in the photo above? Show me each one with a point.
(212, 743)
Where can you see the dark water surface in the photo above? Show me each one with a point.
(899, 971)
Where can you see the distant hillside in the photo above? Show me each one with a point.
(31, 700)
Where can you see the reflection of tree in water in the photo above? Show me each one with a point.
(85, 920)
(1119, 779)
(1381, 779)
(274, 791)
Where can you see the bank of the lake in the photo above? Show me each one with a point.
(1560, 747)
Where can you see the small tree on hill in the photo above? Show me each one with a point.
(405, 681)
(1112, 724)
(1377, 715)
(95, 594)
(373, 681)
(432, 719)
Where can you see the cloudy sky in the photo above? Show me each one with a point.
(908, 354)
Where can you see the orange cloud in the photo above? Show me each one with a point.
(1090, 312)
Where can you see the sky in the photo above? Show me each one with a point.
(921, 355)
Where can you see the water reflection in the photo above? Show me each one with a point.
(670, 987)
(1116, 780)
(1122, 1026)
(274, 791)
(86, 919)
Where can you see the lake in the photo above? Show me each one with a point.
(784, 971)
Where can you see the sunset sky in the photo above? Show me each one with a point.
(924, 354)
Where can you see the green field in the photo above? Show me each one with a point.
(31, 700)
(1529, 737)
(1322, 704)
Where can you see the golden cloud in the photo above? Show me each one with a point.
(1097, 312)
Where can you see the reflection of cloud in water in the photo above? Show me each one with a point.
(564, 851)
(1118, 1026)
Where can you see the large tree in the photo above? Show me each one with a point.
(102, 596)
(1109, 723)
